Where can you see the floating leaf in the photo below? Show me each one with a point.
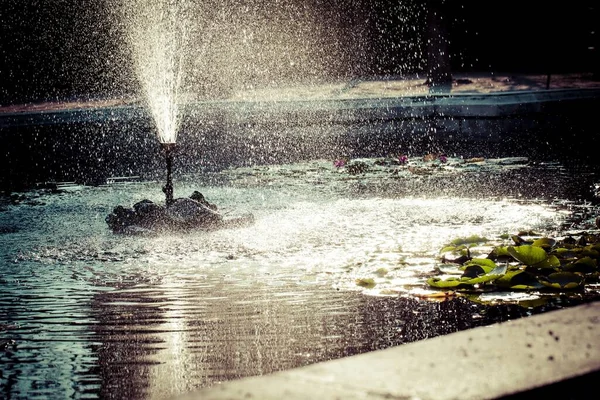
(518, 240)
(448, 249)
(459, 259)
(596, 247)
(444, 283)
(565, 253)
(500, 253)
(381, 272)
(583, 265)
(449, 269)
(483, 279)
(545, 243)
(528, 233)
(527, 254)
(551, 262)
(589, 251)
(469, 240)
(519, 280)
(434, 294)
(562, 280)
(473, 271)
(368, 283)
(485, 263)
(494, 274)
(471, 278)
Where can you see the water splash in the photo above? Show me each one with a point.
(157, 33)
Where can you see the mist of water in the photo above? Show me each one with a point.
(157, 32)
(186, 51)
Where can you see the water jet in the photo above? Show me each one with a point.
(84, 313)
(169, 148)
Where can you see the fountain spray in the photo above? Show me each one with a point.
(169, 148)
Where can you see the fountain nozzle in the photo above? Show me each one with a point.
(169, 148)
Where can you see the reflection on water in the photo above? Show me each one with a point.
(87, 314)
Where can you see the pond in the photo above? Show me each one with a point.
(86, 313)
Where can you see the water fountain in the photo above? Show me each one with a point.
(335, 263)
(157, 33)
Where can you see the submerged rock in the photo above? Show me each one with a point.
(191, 213)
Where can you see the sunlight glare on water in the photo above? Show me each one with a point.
(336, 240)
(162, 314)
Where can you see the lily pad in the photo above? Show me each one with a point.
(562, 280)
(452, 282)
(494, 274)
(583, 265)
(500, 253)
(545, 243)
(589, 251)
(519, 280)
(551, 262)
(468, 279)
(469, 240)
(367, 283)
(485, 263)
(473, 271)
(528, 254)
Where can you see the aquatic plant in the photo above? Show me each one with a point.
(339, 163)
(530, 263)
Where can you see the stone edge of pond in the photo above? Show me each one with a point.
(505, 360)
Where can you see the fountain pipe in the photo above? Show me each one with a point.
(169, 148)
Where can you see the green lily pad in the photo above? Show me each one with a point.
(562, 280)
(542, 263)
(492, 276)
(368, 283)
(519, 280)
(583, 265)
(473, 271)
(551, 262)
(444, 283)
(471, 278)
(589, 251)
(449, 269)
(469, 240)
(528, 233)
(528, 254)
(519, 241)
(545, 243)
(500, 253)
(448, 249)
(460, 250)
(565, 253)
(485, 263)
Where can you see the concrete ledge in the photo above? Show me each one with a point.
(434, 106)
(481, 363)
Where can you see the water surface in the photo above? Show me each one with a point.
(85, 313)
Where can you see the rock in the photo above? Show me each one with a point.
(121, 218)
(190, 213)
(200, 198)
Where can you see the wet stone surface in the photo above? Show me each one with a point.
(184, 214)
(88, 313)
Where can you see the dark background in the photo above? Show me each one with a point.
(57, 49)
